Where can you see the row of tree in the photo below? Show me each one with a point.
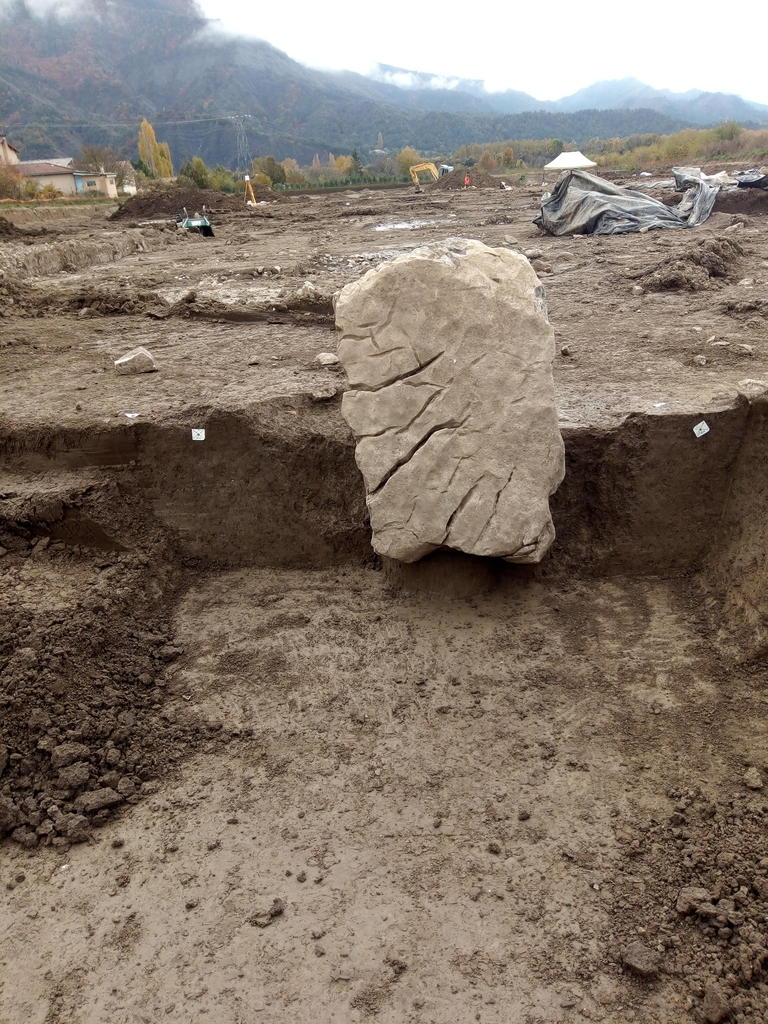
(728, 141)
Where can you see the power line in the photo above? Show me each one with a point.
(238, 119)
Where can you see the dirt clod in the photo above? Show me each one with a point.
(264, 918)
(715, 1007)
(641, 959)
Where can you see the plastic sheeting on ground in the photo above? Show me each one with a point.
(687, 176)
(752, 179)
(583, 204)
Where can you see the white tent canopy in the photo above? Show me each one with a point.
(569, 162)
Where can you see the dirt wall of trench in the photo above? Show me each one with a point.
(279, 486)
(73, 254)
(646, 496)
(736, 568)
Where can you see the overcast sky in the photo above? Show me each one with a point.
(547, 49)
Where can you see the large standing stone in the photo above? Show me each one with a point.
(449, 353)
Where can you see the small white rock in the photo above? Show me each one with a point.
(753, 779)
(308, 291)
(323, 393)
(637, 289)
(138, 360)
(326, 358)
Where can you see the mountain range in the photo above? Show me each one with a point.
(87, 76)
(472, 96)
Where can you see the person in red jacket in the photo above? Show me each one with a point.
(466, 180)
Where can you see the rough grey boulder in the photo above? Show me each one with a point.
(448, 352)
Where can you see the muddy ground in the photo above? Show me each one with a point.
(250, 773)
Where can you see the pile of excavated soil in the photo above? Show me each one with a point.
(753, 201)
(695, 269)
(702, 905)
(170, 200)
(21, 299)
(102, 301)
(477, 179)
(84, 646)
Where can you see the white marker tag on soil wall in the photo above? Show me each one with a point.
(198, 433)
(701, 429)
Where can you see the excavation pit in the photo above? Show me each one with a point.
(460, 778)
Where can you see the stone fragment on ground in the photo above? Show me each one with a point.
(138, 360)
(753, 779)
(641, 959)
(449, 355)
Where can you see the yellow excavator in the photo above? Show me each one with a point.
(423, 167)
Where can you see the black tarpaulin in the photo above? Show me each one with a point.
(583, 204)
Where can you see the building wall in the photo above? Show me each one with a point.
(96, 184)
(63, 182)
(110, 186)
(7, 154)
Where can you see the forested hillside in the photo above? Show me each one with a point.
(89, 77)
